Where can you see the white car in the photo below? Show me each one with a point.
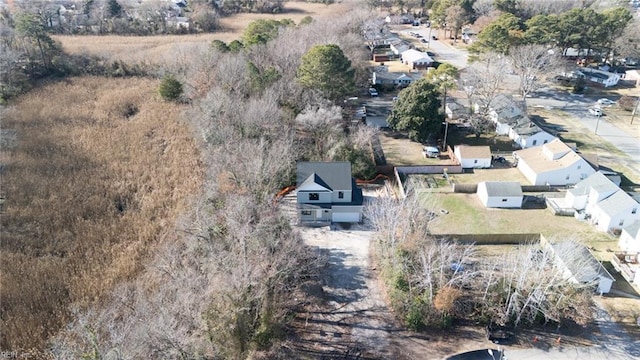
(606, 102)
(595, 112)
(373, 92)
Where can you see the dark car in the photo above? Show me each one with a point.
(433, 37)
(424, 40)
(500, 334)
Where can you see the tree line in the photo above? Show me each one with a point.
(227, 283)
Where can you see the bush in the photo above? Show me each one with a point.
(627, 103)
(170, 88)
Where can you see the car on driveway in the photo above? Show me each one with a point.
(605, 102)
(595, 111)
(373, 92)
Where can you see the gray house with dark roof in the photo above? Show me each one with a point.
(327, 193)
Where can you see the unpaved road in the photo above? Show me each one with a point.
(353, 320)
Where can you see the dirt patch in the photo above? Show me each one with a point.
(351, 320)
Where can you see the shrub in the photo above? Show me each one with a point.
(627, 103)
(170, 88)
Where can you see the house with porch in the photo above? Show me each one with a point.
(393, 79)
(416, 59)
(326, 193)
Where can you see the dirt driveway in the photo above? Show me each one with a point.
(352, 320)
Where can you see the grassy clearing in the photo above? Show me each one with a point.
(493, 174)
(98, 173)
(468, 216)
(165, 48)
(400, 151)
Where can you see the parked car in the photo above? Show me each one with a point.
(424, 40)
(431, 152)
(433, 37)
(373, 92)
(595, 111)
(606, 102)
(431, 54)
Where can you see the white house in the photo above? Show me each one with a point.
(613, 212)
(476, 157)
(630, 238)
(398, 46)
(416, 59)
(553, 163)
(500, 194)
(526, 134)
(454, 110)
(504, 112)
(594, 188)
(605, 78)
(326, 193)
(581, 267)
(395, 79)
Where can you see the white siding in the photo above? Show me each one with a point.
(628, 243)
(324, 197)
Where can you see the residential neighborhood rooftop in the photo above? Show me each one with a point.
(539, 160)
(336, 175)
(503, 188)
(468, 151)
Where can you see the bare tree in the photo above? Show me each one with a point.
(482, 82)
(532, 64)
(455, 18)
(483, 7)
(533, 281)
(323, 127)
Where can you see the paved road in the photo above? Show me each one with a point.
(577, 107)
(445, 53)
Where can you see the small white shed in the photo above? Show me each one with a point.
(473, 157)
(500, 194)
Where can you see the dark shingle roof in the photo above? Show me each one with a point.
(334, 175)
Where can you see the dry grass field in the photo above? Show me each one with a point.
(97, 173)
(160, 48)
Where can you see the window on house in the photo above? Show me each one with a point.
(567, 177)
(475, 161)
(340, 195)
(634, 210)
(534, 142)
(504, 200)
(579, 167)
(306, 212)
(314, 196)
(621, 223)
(545, 142)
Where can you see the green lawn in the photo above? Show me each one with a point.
(468, 216)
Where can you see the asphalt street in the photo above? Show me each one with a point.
(573, 105)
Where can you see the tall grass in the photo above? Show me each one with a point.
(99, 171)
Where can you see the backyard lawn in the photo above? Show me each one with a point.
(400, 151)
(466, 215)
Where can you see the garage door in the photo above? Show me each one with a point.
(345, 217)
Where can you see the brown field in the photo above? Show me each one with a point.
(156, 48)
(94, 177)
